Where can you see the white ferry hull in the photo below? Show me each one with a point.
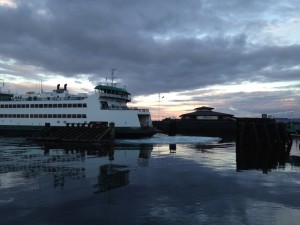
(28, 131)
(26, 114)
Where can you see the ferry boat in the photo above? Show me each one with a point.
(26, 114)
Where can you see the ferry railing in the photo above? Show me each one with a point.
(48, 99)
(125, 108)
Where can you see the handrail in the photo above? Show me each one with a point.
(43, 99)
(125, 108)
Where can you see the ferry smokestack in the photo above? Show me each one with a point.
(65, 86)
(58, 86)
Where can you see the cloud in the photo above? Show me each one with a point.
(157, 46)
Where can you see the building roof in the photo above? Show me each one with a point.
(205, 111)
(107, 87)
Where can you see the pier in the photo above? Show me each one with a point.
(83, 133)
(261, 143)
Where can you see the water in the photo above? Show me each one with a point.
(160, 180)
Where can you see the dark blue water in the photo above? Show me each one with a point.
(161, 180)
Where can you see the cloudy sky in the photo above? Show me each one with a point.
(240, 57)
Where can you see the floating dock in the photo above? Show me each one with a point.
(83, 133)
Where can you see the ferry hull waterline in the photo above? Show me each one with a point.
(24, 115)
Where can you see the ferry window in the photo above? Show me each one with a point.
(49, 105)
(27, 105)
(69, 115)
(75, 105)
(2, 106)
(73, 115)
(14, 106)
(44, 115)
(40, 115)
(84, 105)
(78, 115)
(31, 105)
(26, 115)
(59, 116)
(1, 115)
(18, 116)
(5, 116)
(22, 116)
(64, 116)
(69, 105)
(54, 115)
(45, 105)
(6, 106)
(18, 106)
(64, 105)
(36, 116)
(23, 105)
(31, 115)
(36, 105)
(54, 105)
(49, 115)
(14, 116)
(41, 106)
(59, 105)
(83, 115)
(79, 105)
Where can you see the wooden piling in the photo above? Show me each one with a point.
(261, 143)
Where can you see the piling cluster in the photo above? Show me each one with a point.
(261, 143)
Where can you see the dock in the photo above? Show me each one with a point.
(77, 133)
(261, 143)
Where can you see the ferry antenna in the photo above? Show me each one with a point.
(42, 85)
(112, 76)
(2, 81)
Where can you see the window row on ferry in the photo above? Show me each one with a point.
(114, 92)
(42, 115)
(74, 105)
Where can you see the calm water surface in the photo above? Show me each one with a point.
(161, 180)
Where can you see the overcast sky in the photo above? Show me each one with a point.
(240, 57)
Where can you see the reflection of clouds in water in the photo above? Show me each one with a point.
(6, 200)
(165, 139)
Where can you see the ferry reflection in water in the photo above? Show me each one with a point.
(69, 162)
(161, 180)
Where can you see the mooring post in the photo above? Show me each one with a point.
(172, 128)
(261, 143)
(112, 131)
